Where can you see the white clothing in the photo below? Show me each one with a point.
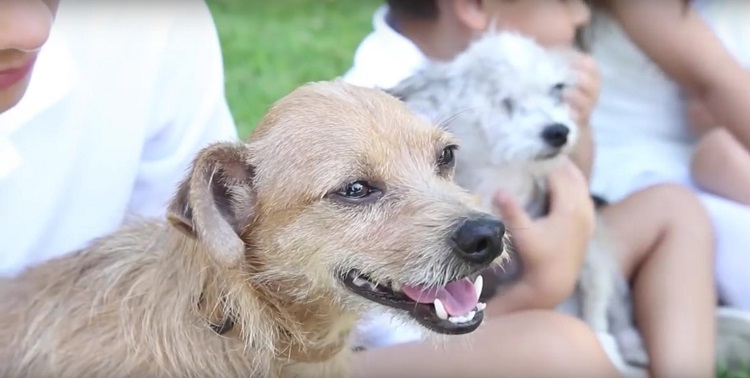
(642, 138)
(122, 97)
(384, 58)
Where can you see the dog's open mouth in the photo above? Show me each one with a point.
(452, 309)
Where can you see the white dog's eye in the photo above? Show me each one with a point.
(557, 91)
(509, 105)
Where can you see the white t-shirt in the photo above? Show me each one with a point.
(122, 97)
(384, 57)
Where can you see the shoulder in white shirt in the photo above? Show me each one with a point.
(122, 97)
(384, 57)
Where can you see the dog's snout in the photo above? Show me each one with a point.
(479, 240)
(556, 135)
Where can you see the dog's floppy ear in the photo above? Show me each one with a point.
(415, 92)
(215, 202)
(404, 88)
(431, 74)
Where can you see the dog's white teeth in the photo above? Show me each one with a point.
(440, 310)
(396, 286)
(478, 284)
(373, 285)
(359, 281)
(481, 306)
(462, 319)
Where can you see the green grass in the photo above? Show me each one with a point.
(741, 373)
(272, 46)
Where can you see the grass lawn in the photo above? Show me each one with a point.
(271, 47)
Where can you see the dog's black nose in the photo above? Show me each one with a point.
(479, 240)
(556, 135)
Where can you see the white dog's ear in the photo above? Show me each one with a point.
(406, 89)
(422, 92)
(215, 202)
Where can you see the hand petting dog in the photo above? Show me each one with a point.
(583, 96)
(547, 263)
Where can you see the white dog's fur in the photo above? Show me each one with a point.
(498, 97)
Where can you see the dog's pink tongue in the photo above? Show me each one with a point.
(458, 297)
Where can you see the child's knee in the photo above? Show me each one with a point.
(677, 204)
(684, 218)
(713, 149)
(716, 139)
(657, 214)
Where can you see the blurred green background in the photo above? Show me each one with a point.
(271, 47)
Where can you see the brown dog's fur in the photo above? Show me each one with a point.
(254, 237)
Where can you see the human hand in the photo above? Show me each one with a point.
(583, 96)
(552, 247)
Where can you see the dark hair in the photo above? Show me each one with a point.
(605, 3)
(413, 9)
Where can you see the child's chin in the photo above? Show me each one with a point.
(11, 96)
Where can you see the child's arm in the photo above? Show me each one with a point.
(686, 49)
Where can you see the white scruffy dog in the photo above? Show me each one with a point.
(502, 98)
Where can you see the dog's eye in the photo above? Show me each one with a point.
(359, 191)
(447, 157)
(557, 90)
(509, 105)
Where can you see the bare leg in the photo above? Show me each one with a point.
(520, 344)
(721, 165)
(669, 257)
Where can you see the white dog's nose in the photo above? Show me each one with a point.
(555, 135)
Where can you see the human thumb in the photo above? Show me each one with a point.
(512, 214)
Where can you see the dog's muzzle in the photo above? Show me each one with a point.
(452, 307)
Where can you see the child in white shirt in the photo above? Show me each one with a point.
(102, 107)
(661, 60)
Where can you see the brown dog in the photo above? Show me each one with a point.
(341, 202)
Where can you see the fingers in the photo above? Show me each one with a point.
(571, 206)
(586, 86)
(586, 63)
(578, 103)
(569, 190)
(511, 212)
(582, 97)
